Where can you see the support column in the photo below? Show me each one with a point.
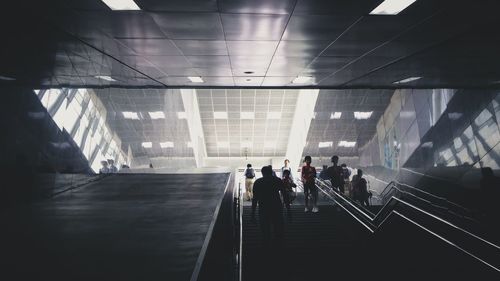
(192, 109)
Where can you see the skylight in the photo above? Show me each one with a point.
(247, 115)
(157, 115)
(181, 115)
(195, 79)
(273, 115)
(302, 79)
(223, 144)
(407, 80)
(347, 143)
(147, 144)
(121, 5)
(362, 114)
(166, 144)
(391, 7)
(130, 115)
(220, 115)
(335, 115)
(325, 144)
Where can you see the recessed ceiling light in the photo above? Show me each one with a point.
(157, 115)
(166, 144)
(273, 115)
(270, 144)
(6, 78)
(223, 144)
(195, 79)
(362, 114)
(428, 144)
(335, 115)
(246, 144)
(147, 144)
(220, 115)
(301, 79)
(105, 77)
(247, 115)
(347, 143)
(454, 115)
(391, 7)
(121, 5)
(130, 115)
(248, 80)
(181, 115)
(248, 72)
(407, 80)
(325, 144)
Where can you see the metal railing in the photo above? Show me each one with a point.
(238, 232)
(469, 243)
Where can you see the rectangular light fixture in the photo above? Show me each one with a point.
(7, 78)
(362, 114)
(302, 79)
(270, 144)
(220, 115)
(273, 115)
(130, 115)
(391, 7)
(325, 144)
(335, 115)
(195, 79)
(157, 115)
(347, 143)
(147, 144)
(105, 77)
(181, 115)
(166, 144)
(247, 115)
(121, 5)
(246, 144)
(407, 80)
(223, 144)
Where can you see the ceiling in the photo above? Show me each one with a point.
(347, 128)
(335, 42)
(266, 134)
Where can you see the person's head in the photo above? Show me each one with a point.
(287, 162)
(335, 159)
(104, 163)
(249, 165)
(266, 171)
(487, 172)
(308, 160)
(360, 172)
(286, 173)
(343, 165)
(325, 167)
(111, 161)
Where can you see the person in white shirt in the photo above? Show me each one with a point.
(287, 167)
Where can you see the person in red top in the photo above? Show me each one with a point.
(309, 182)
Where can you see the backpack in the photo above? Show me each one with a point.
(249, 173)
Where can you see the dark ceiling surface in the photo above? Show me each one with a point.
(336, 42)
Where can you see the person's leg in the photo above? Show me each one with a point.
(314, 193)
(250, 189)
(306, 197)
(286, 199)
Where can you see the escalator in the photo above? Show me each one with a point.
(399, 240)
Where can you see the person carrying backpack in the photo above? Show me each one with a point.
(288, 193)
(360, 189)
(249, 180)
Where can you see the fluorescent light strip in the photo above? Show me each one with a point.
(6, 78)
(220, 115)
(105, 77)
(302, 79)
(121, 5)
(347, 143)
(325, 144)
(157, 115)
(147, 144)
(362, 114)
(195, 79)
(273, 115)
(247, 115)
(335, 115)
(181, 115)
(166, 144)
(391, 7)
(407, 80)
(130, 115)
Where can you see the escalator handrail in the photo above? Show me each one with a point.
(372, 225)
